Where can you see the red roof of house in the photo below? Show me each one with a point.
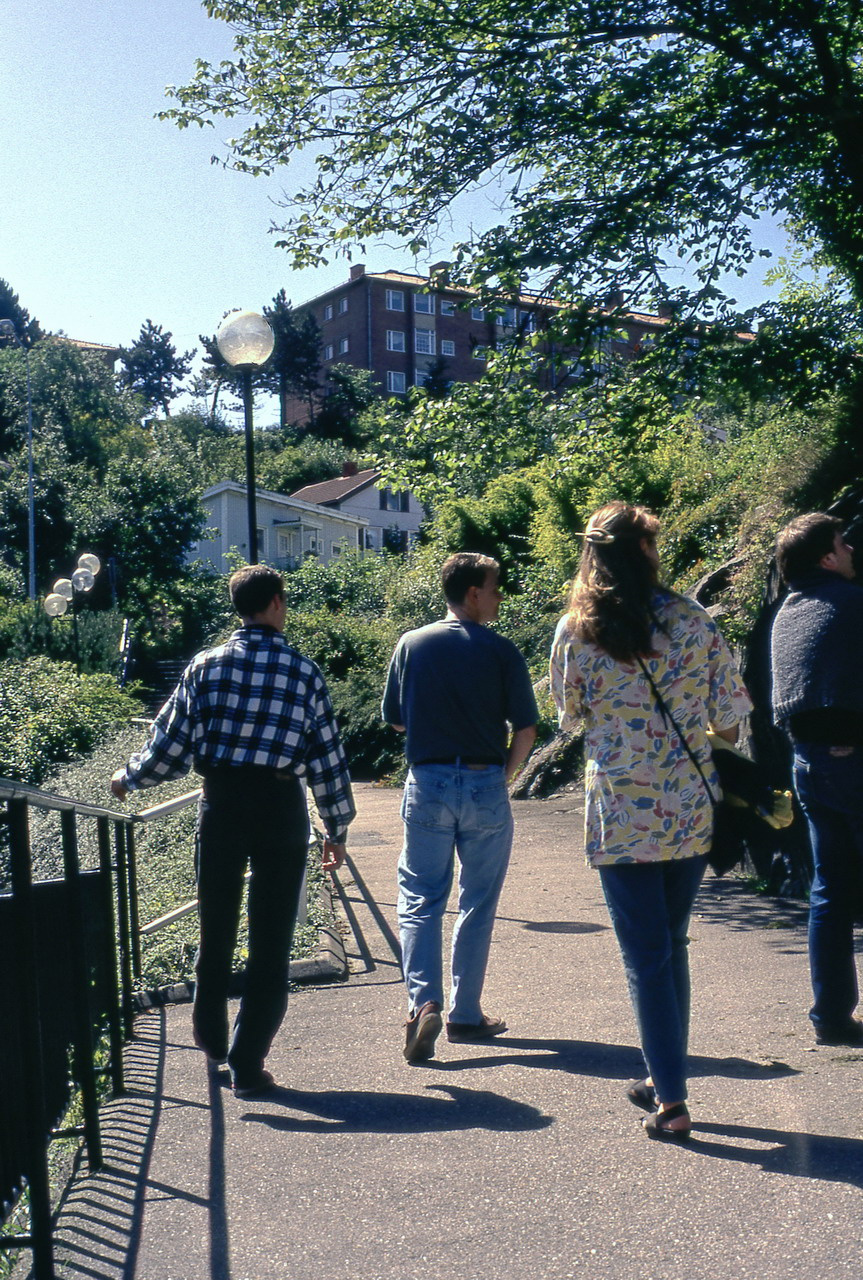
(330, 492)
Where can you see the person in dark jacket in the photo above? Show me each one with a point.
(818, 699)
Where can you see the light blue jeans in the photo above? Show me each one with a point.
(449, 809)
(650, 904)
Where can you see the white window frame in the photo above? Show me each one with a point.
(477, 313)
(447, 307)
(344, 345)
(343, 306)
(447, 347)
(394, 376)
(396, 340)
(328, 312)
(424, 304)
(395, 299)
(329, 351)
(424, 342)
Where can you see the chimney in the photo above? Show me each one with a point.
(614, 299)
(358, 271)
(668, 310)
(349, 468)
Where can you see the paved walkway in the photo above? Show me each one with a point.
(516, 1161)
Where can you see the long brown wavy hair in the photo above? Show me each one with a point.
(610, 604)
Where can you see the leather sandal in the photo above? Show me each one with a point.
(656, 1126)
(643, 1095)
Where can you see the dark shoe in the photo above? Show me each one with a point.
(468, 1032)
(656, 1126)
(851, 1033)
(254, 1087)
(214, 1059)
(643, 1095)
(423, 1028)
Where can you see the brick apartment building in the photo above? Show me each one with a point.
(395, 325)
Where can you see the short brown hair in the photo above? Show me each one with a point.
(253, 587)
(464, 570)
(804, 542)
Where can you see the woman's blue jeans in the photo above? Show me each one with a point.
(449, 809)
(830, 791)
(650, 904)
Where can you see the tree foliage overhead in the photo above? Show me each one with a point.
(28, 330)
(620, 133)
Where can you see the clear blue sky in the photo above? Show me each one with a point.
(109, 217)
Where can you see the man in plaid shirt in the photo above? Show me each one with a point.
(254, 718)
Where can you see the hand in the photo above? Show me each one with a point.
(117, 785)
(334, 854)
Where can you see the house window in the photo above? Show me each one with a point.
(343, 346)
(527, 320)
(335, 549)
(394, 501)
(420, 377)
(424, 342)
(395, 382)
(477, 313)
(328, 311)
(343, 306)
(509, 317)
(328, 351)
(395, 340)
(447, 308)
(447, 347)
(424, 303)
(395, 300)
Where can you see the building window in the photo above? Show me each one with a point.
(395, 340)
(328, 351)
(527, 319)
(328, 311)
(424, 303)
(509, 317)
(395, 300)
(335, 549)
(343, 346)
(447, 307)
(420, 377)
(447, 347)
(480, 353)
(424, 342)
(395, 382)
(394, 501)
(477, 313)
(343, 306)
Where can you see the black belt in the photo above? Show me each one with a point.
(471, 762)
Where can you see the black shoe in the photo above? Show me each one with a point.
(254, 1086)
(851, 1033)
(422, 1029)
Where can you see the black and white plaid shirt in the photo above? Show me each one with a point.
(252, 701)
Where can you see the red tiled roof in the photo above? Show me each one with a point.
(331, 491)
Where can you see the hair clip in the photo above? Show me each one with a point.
(598, 535)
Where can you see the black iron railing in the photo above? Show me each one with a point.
(70, 959)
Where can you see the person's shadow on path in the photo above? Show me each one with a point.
(800, 1155)
(599, 1058)
(364, 1111)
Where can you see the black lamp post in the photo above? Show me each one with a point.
(65, 590)
(245, 341)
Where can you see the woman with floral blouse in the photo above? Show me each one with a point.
(648, 817)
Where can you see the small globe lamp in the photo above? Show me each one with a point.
(245, 341)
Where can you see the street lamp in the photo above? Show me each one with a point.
(8, 328)
(245, 342)
(64, 591)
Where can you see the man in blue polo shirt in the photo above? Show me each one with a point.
(463, 697)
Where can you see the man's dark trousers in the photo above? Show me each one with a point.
(247, 816)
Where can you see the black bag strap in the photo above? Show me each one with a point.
(665, 712)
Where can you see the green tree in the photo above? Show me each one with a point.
(348, 392)
(294, 368)
(624, 136)
(29, 331)
(152, 367)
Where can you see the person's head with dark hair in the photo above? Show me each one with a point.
(464, 570)
(813, 541)
(470, 585)
(618, 573)
(253, 589)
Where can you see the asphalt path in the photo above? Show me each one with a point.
(520, 1159)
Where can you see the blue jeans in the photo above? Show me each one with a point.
(830, 791)
(650, 904)
(247, 816)
(450, 809)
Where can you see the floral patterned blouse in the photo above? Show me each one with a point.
(645, 801)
